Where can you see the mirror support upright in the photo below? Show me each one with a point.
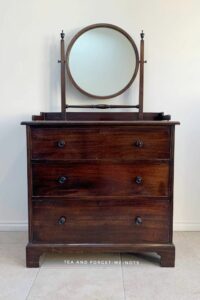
(141, 83)
(62, 71)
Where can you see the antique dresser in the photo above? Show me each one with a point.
(100, 181)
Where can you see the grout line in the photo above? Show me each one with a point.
(122, 269)
(33, 283)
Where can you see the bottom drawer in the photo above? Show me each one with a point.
(100, 222)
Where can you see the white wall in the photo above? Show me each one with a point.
(29, 83)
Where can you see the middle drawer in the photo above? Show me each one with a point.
(101, 178)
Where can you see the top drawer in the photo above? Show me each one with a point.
(141, 142)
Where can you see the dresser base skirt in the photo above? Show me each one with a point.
(35, 250)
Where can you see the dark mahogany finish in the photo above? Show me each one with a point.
(101, 222)
(100, 186)
(94, 178)
(97, 142)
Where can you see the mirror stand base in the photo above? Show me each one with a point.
(100, 116)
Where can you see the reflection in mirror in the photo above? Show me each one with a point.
(102, 61)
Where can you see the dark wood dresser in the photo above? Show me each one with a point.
(101, 181)
(100, 184)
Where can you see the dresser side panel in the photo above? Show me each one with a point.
(29, 180)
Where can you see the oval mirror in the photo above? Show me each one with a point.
(102, 61)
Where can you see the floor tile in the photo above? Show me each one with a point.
(78, 284)
(14, 237)
(187, 250)
(15, 279)
(12, 255)
(161, 284)
(99, 276)
(192, 239)
(147, 280)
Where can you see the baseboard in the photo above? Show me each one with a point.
(187, 226)
(23, 226)
(14, 226)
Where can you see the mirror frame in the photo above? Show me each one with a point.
(91, 27)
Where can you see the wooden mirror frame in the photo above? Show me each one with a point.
(139, 65)
(91, 27)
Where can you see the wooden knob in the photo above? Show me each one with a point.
(62, 179)
(139, 144)
(138, 179)
(61, 144)
(138, 220)
(62, 220)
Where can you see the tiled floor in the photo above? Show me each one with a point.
(99, 277)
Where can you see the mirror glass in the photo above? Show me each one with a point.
(102, 62)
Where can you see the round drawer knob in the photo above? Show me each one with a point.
(138, 220)
(139, 144)
(138, 179)
(62, 220)
(62, 179)
(61, 144)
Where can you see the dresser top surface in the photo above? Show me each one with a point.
(99, 119)
(99, 123)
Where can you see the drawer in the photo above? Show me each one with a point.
(100, 178)
(143, 142)
(133, 223)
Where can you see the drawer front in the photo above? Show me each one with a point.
(133, 223)
(101, 179)
(142, 142)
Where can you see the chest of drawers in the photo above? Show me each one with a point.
(104, 186)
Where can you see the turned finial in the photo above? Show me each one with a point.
(62, 35)
(142, 35)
